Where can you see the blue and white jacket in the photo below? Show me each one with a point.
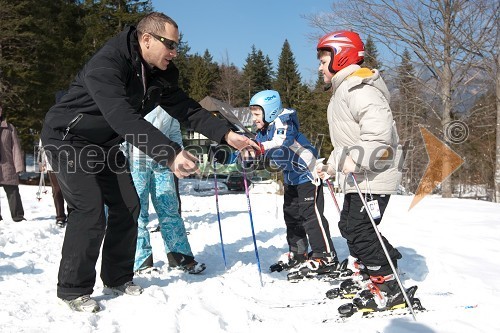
(288, 148)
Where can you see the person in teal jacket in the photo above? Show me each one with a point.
(156, 181)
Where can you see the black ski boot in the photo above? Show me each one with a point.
(316, 267)
(351, 281)
(287, 261)
(184, 262)
(194, 267)
(383, 296)
(350, 287)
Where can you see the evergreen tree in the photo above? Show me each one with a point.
(288, 80)
(35, 58)
(105, 18)
(39, 58)
(409, 113)
(182, 63)
(257, 73)
(203, 74)
(371, 55)
(213, 72)
(67, 47)
(312, 116)
(269, 69)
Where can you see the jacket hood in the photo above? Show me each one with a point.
(285, 116)
(354, 75)
(290, 115)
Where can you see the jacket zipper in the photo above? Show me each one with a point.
(72, 124)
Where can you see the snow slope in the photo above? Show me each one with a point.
(450, 250)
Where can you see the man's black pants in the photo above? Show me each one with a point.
(89, 179)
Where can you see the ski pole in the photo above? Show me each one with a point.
(42, 165)
(276, 199)
(317, 182)
(251, 220)
(41, 185)
(330, 187)
(383, 246)
(332, 192)
(218, 213)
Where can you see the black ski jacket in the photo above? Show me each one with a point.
(107, 101)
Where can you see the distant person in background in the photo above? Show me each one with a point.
(11, 164)
(61, 216)
(157, 181)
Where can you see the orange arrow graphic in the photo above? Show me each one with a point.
(434, 174)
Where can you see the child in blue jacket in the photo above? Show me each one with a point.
(281, 141)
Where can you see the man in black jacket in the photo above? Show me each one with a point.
(127, 78)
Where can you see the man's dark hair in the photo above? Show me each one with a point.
(155, 23)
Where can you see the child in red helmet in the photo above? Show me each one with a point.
(366, 144)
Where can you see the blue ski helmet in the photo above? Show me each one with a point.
(270, 102)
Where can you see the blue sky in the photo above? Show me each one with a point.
(229, 28)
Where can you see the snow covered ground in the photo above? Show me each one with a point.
(450, 250)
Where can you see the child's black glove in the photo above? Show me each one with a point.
(220, 153)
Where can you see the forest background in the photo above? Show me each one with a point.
(446, 78)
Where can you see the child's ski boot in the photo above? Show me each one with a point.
(287, 261)
(314, 267)
(382, 294)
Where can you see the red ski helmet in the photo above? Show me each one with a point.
(346, 47)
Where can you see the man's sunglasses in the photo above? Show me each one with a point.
(169, 44)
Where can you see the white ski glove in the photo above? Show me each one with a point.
(314, 172)
(326, 169)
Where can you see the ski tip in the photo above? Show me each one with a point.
(294, 276)
(276, 268)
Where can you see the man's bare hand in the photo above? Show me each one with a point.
(239, 141)
(184, 164)
(242, 143)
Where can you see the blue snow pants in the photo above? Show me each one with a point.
(157, 181)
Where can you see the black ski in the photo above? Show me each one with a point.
(394, 313)
(329, 273)
(349, 309)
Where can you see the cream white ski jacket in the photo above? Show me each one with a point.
(361, 126)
